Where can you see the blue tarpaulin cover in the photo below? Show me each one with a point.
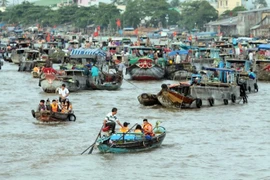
(264, 46)
(82, 51)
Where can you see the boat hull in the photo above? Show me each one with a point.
(48, 116)
(148, 99)
(49, 83)
(143, 74)
(129, 147)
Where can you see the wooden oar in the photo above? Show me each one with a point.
(93, 143)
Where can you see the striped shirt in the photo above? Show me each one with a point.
(111, 117)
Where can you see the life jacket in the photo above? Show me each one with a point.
(148, 127)
(54, 107)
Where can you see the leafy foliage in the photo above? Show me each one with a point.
(233, 12)
(262, 2)
(197, 13)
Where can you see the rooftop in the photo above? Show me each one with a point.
(224, 22)
(255, 10)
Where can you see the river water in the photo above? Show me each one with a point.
(219, 142)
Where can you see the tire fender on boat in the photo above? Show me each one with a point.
(71, 117)
(144, 96)
(225, 101)
(233, 98)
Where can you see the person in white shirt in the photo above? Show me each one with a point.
(63, 93)
(250, 56)
(177, 58)
(111, 120)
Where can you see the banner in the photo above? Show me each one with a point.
(118, 22)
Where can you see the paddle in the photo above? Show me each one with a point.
(91, 150)
(92, 145)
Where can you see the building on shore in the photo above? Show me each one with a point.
(248, 19)
(246, 23)
(262, 29)
(226, 26)
(224, 5)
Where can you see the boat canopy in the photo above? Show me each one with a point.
(93, 52)
(264, 46)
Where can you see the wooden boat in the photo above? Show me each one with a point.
(49, 82)
(262, 63)
(48, 116)
(109, 81)
(172, 98)
(141, 67)
(148, 99)
(75, 80)
(28, 62)
(145, 69)
(244, 75)
(179, 71)
(130, 142)
(220, 88)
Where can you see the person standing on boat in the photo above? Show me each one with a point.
(63, 93)
(177, 58)
(110, 120)
(95, 74)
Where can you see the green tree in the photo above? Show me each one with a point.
(4, 3)
(197, 13)
(175, 3)
(262, 2)
(133, 14)
(233, 12)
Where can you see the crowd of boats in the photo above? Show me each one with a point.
(209, 71)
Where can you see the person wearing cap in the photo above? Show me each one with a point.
(110, 120)
(147, 128)
(63, 93)
(124, 129)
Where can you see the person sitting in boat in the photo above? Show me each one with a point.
(36, 69)
(138, 129)
(41, 106)
(110, 119)
(67, 107)
(54, 106)
(124, 128)
(147, 128)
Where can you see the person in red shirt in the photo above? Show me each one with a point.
(49, 70)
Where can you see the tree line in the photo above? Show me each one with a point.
(149, 13)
